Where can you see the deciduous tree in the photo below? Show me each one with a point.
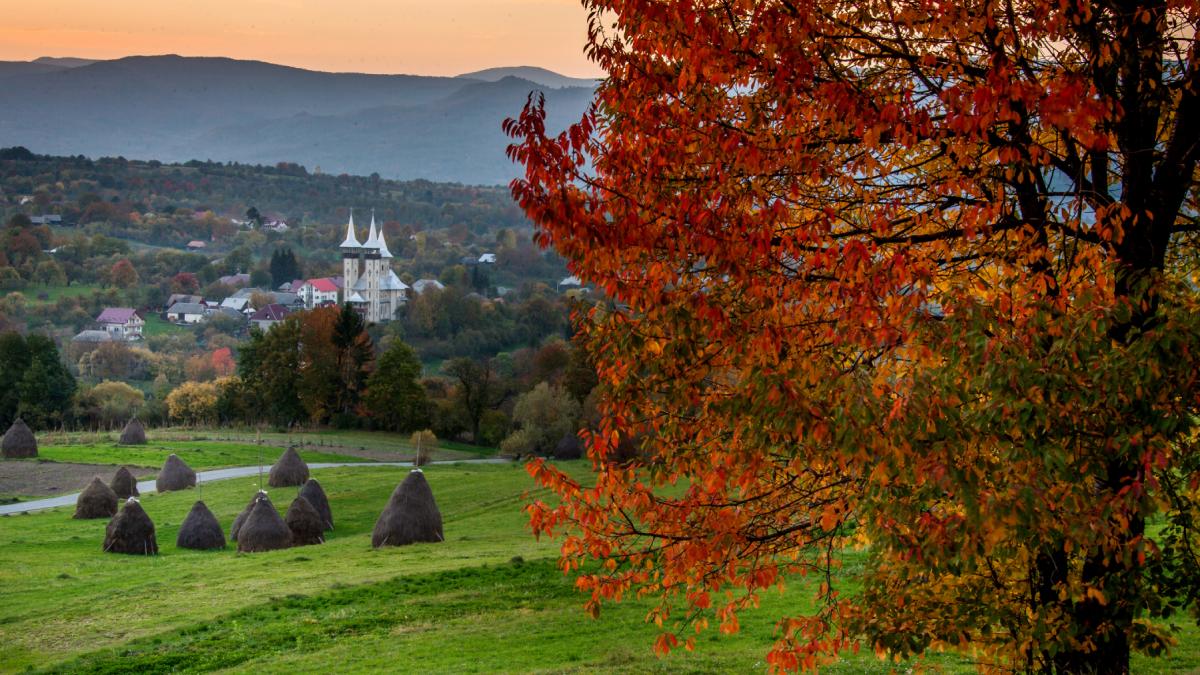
(910, 275)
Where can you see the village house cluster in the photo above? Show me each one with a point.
(368, 284)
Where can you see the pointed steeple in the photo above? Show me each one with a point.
(372, 238)
(383, 249)
(351, 240)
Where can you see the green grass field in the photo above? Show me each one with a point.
(197, 454)
(488, 599)
(381, 445)
(53, 293)
(156, 325)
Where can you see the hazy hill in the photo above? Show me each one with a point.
(546, 78)
(11, 68)
(173, 108)
(65, 61)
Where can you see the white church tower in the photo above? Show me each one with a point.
(369, 284)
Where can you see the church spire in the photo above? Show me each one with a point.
(383, 249)
(372, 238)
(351, 240)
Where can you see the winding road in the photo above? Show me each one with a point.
(147, 486)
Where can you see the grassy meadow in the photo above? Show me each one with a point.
(488, 599)
(197, 454)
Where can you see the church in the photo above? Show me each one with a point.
(369, 284)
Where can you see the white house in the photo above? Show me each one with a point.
(122, 323)
(317, 292)
(187, 312)
(487, 259)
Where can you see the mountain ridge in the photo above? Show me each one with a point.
(175, 108)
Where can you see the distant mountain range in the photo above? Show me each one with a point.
(174, 109)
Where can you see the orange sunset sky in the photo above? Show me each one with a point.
(425, 37)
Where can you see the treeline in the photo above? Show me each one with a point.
(109, 190)
(321, 367)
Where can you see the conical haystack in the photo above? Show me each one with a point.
(411, 515)
(96, 501)
(569, 447)
(131, 531)
(241, 517)
(134, 433)
(315, 495)
(305, 523)
(19, 441)
(175, 475)
(200, 530)
(124, 484)
(263, 530)
(288, 470)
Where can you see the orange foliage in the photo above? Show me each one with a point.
(894, 274)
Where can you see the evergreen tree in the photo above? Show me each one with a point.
(395, 397)
(284, 266)
(354, 353)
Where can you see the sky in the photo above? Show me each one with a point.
(421, 37)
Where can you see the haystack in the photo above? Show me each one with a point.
(96, 501)
(411, 515)
(131, 531)
(569, 447)
(305, 523)
(263, 530)
(288, 470)
(18, 441)
(200, 530)
(241, 517)
(124, 484)
(134, 433)
(175, 475)
(315, 495)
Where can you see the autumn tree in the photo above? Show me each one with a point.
(915, 276)
(123, 274)
(185, 283)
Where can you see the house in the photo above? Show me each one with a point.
(187, 312)
(235, 280)
(237, 304)
(92, 337)
(182, 297)
(289, 300)
(269, 316)
(317, 292)
(275, 226)
(421, 285)
(46, 220)
(122, 323)
(291, 286)
(196, 245)
(569, 282)
(226, 311)
(488, 259)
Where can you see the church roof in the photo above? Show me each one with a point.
(351, 240)
(383, 249)
(361, 285)
(355, 297)
(372, 235)
(392, 283)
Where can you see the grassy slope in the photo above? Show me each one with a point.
(461, 606)
(197, 454)
(156, 325)
(53, 293)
